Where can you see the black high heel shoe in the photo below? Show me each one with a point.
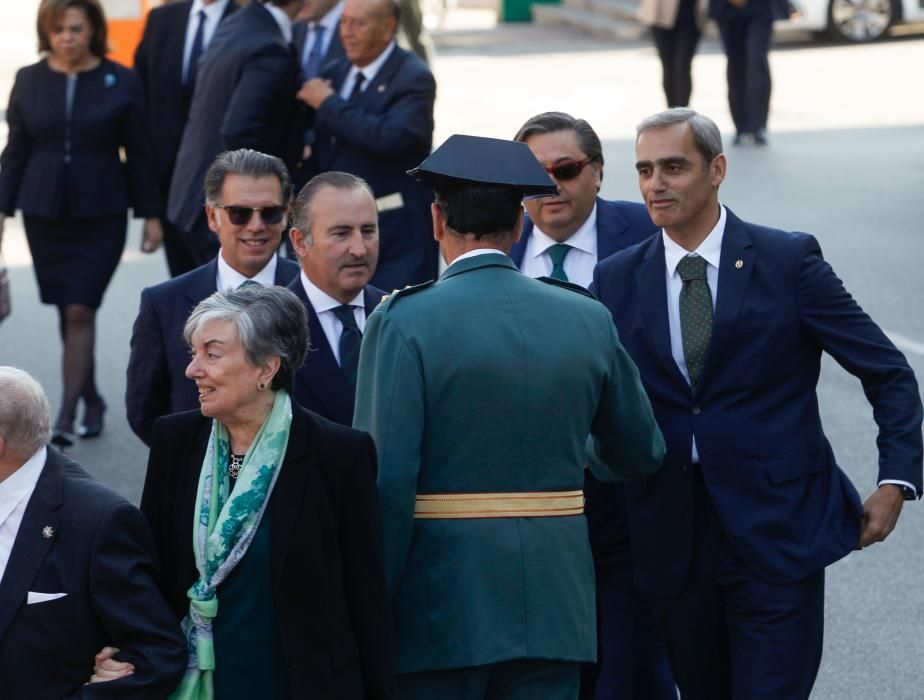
(95, 429)
(62, 438)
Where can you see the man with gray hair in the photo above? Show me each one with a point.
(247, 195)
(727, 322)
(77, 570)
(335, 233)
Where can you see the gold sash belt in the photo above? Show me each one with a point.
(527, 504)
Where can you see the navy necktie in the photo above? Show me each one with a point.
(695, 315)
(311, 68)
(357, 87)
(196, 52)
(557, 253)
(350, 340)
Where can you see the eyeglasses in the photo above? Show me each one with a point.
(240, 216)
(567, 170)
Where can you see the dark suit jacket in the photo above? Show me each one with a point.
(619, 225)
(99, 551)
(384, 133)
(326, 554)
(156, 377)
(45, 173)
(787, 508)
(159, 65)
(244, 98)
(320, 384)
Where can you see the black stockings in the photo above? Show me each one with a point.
(78, 334)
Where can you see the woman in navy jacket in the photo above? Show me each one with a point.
(69, 115)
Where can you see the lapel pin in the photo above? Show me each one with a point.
(48, 532)
(381, 88)
(739, 264)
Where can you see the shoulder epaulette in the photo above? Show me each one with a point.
(389, 299)
(566, 285)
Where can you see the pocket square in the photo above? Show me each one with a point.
(34, 597)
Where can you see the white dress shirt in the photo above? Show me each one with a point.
(331, 24)
(369, 72)
(213, 13)
(324, 304)
(579, 263)
(228, 278)
(282, 19)
(15, 492)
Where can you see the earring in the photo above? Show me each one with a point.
(261, 386)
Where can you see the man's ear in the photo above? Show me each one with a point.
(299, 242)
(439, 221)
(717, 169)
(211, 216)
(518, 228)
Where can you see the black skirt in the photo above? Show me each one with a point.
(74, 259)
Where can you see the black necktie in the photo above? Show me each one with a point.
(695, 314)
(557, 253)
(196, 53)
(350, 340)
(357, 87)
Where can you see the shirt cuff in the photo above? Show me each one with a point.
(899, 482)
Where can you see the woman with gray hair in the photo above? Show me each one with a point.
(280, 505)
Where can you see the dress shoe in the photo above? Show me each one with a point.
(94, 429)
(62, 438)
(760, 137)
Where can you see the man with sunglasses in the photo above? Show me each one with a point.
(563, 237)
(246, 208)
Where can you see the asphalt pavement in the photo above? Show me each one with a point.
(845, 162)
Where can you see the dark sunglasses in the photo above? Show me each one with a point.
(240, 216)
(568, 170)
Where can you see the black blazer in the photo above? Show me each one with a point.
(78, 537)
(244, 98)
(45, 173)
(156, 382)
(329, 586)
(159, 65)
(320, 384)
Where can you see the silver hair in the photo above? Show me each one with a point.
(25, 414)
(270, 322)
(706, 135)
(301, 210)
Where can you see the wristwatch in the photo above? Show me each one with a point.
(907, 492)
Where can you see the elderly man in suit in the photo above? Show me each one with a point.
(335, 234)
(167, 62)
(563, 237)
(374, 119)
(487, 557)
(247, 196)
(727, 322)
(77, 570)
(243, 99)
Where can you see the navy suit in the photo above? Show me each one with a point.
(244, 98)
(78, 537)
(159, 65)
(156, 381)
(767, 495)
(385, 132)
(630, 661)
(320, 384)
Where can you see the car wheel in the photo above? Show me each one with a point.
(860, 20)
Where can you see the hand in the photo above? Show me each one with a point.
(314, 92)
(152, 235)
(880, 513)
(106, 668)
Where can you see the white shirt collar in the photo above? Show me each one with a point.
(229, 278)
(710, 249)
(282, 19)
(372, 69)
(21, 483)
(585, 238)
(212, 11)
(321, 301)
(475, 253)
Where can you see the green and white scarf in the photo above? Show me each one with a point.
(225, 525)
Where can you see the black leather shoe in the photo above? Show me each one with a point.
(62, 438)
(760, 137)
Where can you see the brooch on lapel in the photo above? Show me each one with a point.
(109, 80)
(48, 532)
(739, 264)
(380, 88)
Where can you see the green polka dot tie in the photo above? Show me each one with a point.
(695, 314)
(557, 253)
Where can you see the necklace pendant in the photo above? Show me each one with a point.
(234, 468)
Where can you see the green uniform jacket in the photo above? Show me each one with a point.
(489, 381)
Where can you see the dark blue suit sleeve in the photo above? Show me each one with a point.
(16, 154)
(831, 316)
(255, 97)
(147, 387)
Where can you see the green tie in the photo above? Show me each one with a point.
(557, 253)
(350, 340)
(695, 314)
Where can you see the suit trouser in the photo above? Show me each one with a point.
(519, 679)
(676, 48)
(729, 633)
(747, 46)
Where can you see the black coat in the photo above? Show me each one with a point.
(78, 537)
(329, 588)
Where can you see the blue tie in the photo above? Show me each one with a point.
(312, 65)
(196, 53)
(350, 340)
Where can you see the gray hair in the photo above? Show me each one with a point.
(550, 122)
(301, 211)
(245, 161)
(706, 135)
(25, 415)
(270, 322)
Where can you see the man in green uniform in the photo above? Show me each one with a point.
(481, 390)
